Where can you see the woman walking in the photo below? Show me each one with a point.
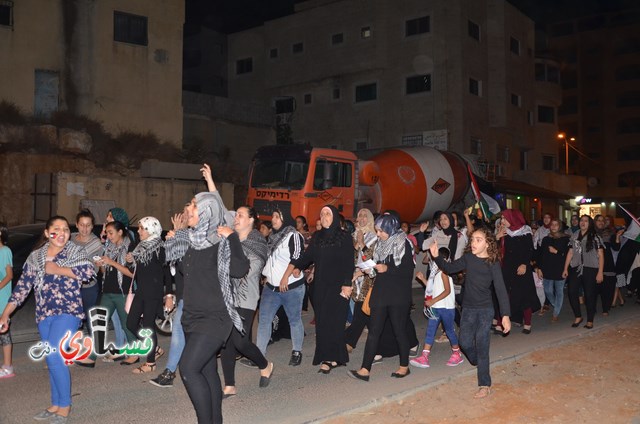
(212, 255)
(516, 244)
(331, 250)
(586, 259)
(148, 258)
(55, 271)
(247, 291)
(550, 261)
(391, 298)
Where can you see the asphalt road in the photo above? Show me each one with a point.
(111, 393)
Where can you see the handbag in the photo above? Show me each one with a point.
(129, 300)
(366, 309)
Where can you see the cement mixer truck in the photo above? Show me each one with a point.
(300, 180)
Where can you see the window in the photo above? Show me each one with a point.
(476, 146)
(474, 30)
(502, 153)
(362, 145)
(335, 94)
(628, 72)
(417, 26)
(244, 66)
(337, 38)
(629, 153)
(273, 53)
(540, 72)
(629, 126)
(593, 129)
(339, 174)
(524, 160)
(365, 32)
(285, 105)
(553, 74)
(514, 46)
(412, 140)
(546, 114)
(629, 99)
(628, 46)
(475, 87)
(516, 100)
(129, 28)
(366, 92)
(629, 179)
(297, 48)
(569, 78)
(6, 13)
(308, 99)
(418, 84)
(548, 163)
(590, 24)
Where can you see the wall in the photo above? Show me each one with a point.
(126, 86)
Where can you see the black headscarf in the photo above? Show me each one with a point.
(453, 233)
(277, 236)
(332, 236)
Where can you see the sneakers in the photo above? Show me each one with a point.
(165, 379)
(7, 372)
(455, 358)
(247, 363)
(422, 361)
(296, 358)
(442, 339)
(377, 359)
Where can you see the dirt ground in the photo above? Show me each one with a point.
(592, 380)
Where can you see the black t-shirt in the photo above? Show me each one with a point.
(110, 280)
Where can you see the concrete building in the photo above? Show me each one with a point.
(453, 74)
(116, 61)
(599, 59)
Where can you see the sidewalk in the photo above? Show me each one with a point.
(110, 392)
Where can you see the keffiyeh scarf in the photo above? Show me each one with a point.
(71, 256)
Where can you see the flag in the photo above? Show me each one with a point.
(488, 205)
(633, 232)
(634, 265)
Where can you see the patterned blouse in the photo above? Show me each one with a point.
(58, 294)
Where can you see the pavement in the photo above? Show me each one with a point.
(111, 393)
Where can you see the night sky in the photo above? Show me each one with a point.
(229, 16)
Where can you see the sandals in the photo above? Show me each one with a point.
(329, 365)
(483, 392)
(159, 353)
(144, 368)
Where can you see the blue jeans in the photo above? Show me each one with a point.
(177, 339)
(52, 330)
(270, 302)
(554, 291)
(475, 326)
(89, 298)
(447, 317)
(118, 329)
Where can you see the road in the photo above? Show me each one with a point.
(111, 393)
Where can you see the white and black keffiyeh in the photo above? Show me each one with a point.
(276, 237)
(395, 245)
(71, 256)
(255, 244)
(211, 214)
(118, 253)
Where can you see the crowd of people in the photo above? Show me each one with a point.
(216, 270)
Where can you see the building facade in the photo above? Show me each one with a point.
(599, 59)
(116, 61)
(453, 74)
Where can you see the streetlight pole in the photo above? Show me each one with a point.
(562, 136)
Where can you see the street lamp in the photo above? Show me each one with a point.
(563, 136)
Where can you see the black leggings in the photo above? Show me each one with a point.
(397, 315)
(199, 373)
(360, 321)
(588, 283)
(242, 344)
(148, 309)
